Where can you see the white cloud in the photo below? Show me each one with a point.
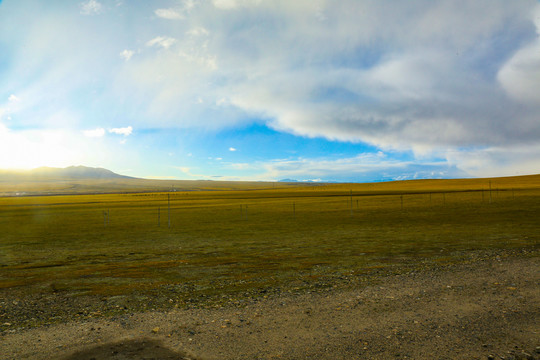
(232, 149)
(232, 4)
(497, 160)
(520, 76)
(189, 4)
(164, 42)
(208, 62)
(94, 133)
(11, 107)
(225, 4)
(126, 131)
(13, 99)
(91, 7)
(178, 13)
(170, 14)
(127, 54)
(198, 31)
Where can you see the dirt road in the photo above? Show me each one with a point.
(486, 308)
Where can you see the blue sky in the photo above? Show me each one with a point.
(347, 90)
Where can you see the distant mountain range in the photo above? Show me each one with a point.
(51, 173)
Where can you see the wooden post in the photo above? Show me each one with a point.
(351, 202)
(169, 209)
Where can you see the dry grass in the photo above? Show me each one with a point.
(258, 236)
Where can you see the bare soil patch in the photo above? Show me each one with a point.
(485, 308)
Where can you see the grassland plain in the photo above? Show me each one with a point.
(67, 257)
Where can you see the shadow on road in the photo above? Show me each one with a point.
(129, 349)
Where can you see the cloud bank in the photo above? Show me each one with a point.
(452, 80)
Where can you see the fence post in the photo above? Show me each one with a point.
(351, 202)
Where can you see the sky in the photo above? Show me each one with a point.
(311, 90)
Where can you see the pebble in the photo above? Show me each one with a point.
(155, 330)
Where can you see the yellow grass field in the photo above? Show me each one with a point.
(236, 240)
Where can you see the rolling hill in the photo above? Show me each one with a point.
(59, 174)
(88, 180)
